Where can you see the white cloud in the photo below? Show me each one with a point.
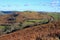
(55, 3)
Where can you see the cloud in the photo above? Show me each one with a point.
(55, 3)
(26, 4)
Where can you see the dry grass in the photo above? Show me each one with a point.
(50, 31)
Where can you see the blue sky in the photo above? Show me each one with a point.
(33, 5)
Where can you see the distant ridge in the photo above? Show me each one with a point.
(7, 12)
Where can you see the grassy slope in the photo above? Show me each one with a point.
(2, 27)
(55, 15)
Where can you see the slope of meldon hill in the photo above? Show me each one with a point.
(50, 31)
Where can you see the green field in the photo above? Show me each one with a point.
(29, 22)
(2, 27)
(55, 15)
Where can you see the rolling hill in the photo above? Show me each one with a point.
(29, 25)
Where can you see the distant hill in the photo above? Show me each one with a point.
(1, 13)
(20, 16)
(7, 12)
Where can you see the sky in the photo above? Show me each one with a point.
(30, 5)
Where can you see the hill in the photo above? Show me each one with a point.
(48, 31)
(29, 23)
